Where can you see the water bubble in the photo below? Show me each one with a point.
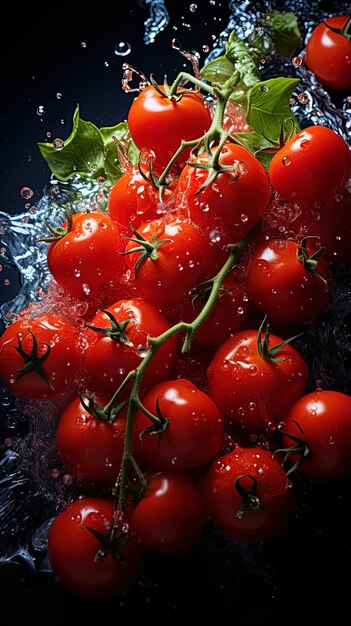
(296, 61)
(252, 406)
(264, 88)
(141, 351)
(205, 47)
(48, 134)
(303, 97)
(7, 282)
(8, 442)
(193, 8)
(292, 101)
(86, 289)
(67, 479)
(41, 110)
(286, 161)
(83, 44)
(62, 120)
(55, 473)
(58, 144)
(26, 192)
(331, 440)
(75, 519)
(240, 310)
(76, 272)
(59, 95)
(215, 236)
(244, 218)
(122, 48)
(106, 64)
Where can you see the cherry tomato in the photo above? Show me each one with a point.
(227, 316)
(284, 283)
(160, 124)
(328, 53)
(248, 495)
(180, 263)
(253, 390)
(40, 357)
(111, 354)
(73, 548)
(313, 166)
(88, 446)
(195, 431)
(134, 201)
(170, 517)
(85, 259)
(321, 419)
(234, 201)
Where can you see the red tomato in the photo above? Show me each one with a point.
(236, 476)
(72, 551)
(109, 357)
(253, 391)
(328, 54)
(40, 357)
(85, 259)
(235, 200)
(313, 166)
(227, 316)
(180, 263)
(134, 201)
(170, 517)
(324, 419)
(284, 287)
(88, 446)
(195, 431)
(160, 124)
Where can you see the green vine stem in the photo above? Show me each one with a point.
(136, 375)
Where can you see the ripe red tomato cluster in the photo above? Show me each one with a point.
(136, 281)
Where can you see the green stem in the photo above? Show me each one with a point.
(154, 344)
(196, 81)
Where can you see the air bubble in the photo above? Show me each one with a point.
(122, 48)
(59, 95)
(83, 44)
(205, 47)
(193, 8)
(26, 193)
(41, 110)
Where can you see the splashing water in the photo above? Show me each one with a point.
(33, 485)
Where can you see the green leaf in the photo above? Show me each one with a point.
(244, 60)
(268, 107)
(82, 149)
(283, 30)
(218, 70)
(89, 151)
(253, 141)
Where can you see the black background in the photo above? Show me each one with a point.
(298, 575)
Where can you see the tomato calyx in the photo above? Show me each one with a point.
(310, 262)
(267, 353)
(159, 422)
(59, 232)
(344, 32)
(97, 410)
(301, 449)
(173, 96)
(110, 545)
(116, 331)
(248, 494)
(33, 363)
(147, 249)
(214, 167)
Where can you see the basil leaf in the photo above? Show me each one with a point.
(283, 30)
(82, 149)
(89, 151)
(244, 60)
(113, 169)
(268, 107)
(218, 70)
(253, 141)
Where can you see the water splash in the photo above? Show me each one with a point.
(157, 21)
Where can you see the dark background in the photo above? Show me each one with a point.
(284, 581)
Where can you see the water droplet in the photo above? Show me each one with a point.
(263, 266)
(85, 288)
(106, 64)
(122, 48)
(174, 460)
(76, 272)
(193, 8)
(339, 197)
(215, 236)
(286, 161)
(305, 144)
(59, 95)
(253, 370)
(240, 310)
(303, 97)
(58, 144)
(83, 44)
(8, 442)
(244, 218)
(26, 193)
(331, 440)
(75, 518)
(67, 479)
(7, 282)
(62, 120)
(205, 47)
(48, 134)
(296, 61)
(264, 88)
(252, 406)
(292, 101)
(41, 110)
(141, 351)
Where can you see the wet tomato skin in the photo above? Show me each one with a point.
(108, 360)
(160, 124)
(170, 517)
(313, 166)
(252, 391)
(328, 53)
(195, 432)
(86, 260)
(60, 367)
(324, 417)
(72, 551)
(282, 288)
(90, 447)
(274, 489)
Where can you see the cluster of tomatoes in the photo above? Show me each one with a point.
(144, 265)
